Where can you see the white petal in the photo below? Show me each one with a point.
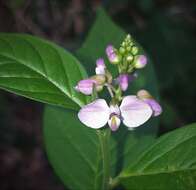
(134, 112)
(95, 114)
(114, 109)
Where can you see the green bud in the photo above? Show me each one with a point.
(128, 48)
(123, 44)
(129, 58)
(122, 50)
(134, 50)
(128, 38)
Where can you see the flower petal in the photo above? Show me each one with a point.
(157, 110)
(114, 122)
(134, 112)
(95, 114)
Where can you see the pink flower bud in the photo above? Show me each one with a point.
(112, 56)
(86, 86)
(100, 67)
(123, 81)
(109, 49)
(140, 61)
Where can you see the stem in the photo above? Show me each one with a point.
(110, 90)
(94, 94)
(104, 136)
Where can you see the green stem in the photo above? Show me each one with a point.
(104, 136)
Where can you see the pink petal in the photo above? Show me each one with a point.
(95, 114)
(157, 110)
(134, 112)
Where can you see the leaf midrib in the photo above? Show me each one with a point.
(19, 61)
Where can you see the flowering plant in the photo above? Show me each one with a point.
(134, 110)
(96, 159)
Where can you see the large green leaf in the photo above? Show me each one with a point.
(74, 149)
(169, 163)
(39, 70)
(125, 145)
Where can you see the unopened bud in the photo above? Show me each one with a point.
(144, 94)
(100, 67)
(129, 58)
(122, 50)
(86, 86)
(140, 61)
(134, 50)
(123, 81)
(112, 55)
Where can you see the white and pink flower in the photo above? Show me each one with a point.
(132, 112)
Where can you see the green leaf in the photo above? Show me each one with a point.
(73, 149)
(169, 163)
(124, 144)
(39, 70)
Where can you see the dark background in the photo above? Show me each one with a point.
(165, 28)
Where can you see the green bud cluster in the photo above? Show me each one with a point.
(128, 52)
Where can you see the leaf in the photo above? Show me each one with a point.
(169, 163)
(124, 144)
(73, 149)
(39, 70)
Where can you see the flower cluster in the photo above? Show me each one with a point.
(131, 110)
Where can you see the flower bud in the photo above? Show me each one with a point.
(100, 67)
(123, 81)
(122, 50)
(146, 97)
(86, 86)
(140, 61)
(109, 49)
(129, 58)
(112, 54)
(144, 94)
(134, 50)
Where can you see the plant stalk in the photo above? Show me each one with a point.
(104, 137)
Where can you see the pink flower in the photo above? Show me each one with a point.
(133, 112)
(86, 86)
